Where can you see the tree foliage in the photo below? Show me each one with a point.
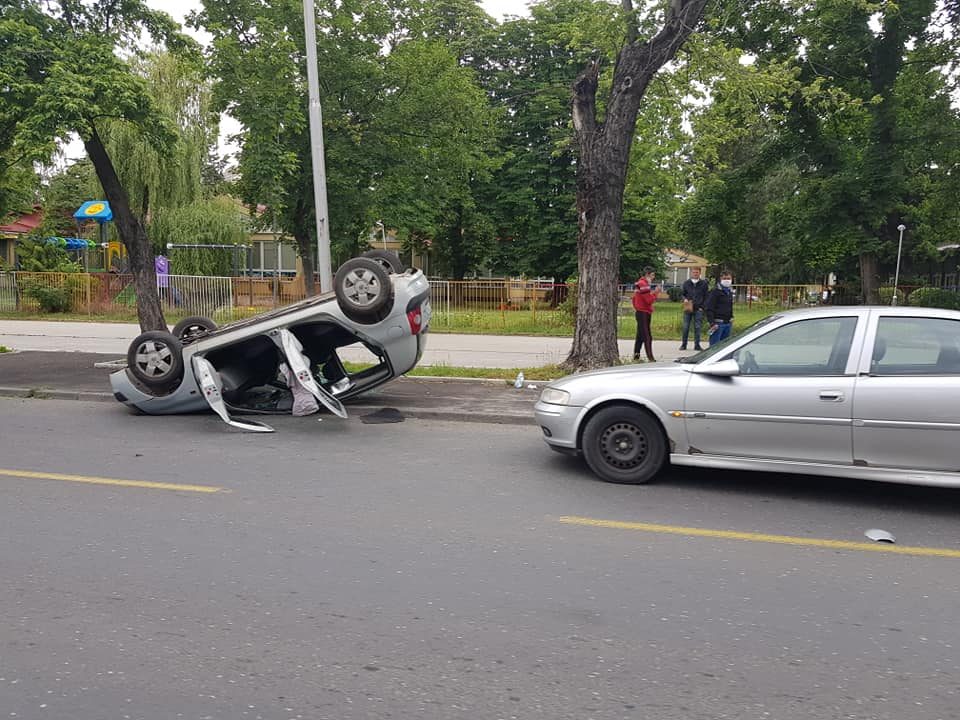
(68, 75)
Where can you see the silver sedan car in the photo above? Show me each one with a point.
(858, 392)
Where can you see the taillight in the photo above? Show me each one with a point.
(415, 319)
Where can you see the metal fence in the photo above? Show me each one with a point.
(505, 305)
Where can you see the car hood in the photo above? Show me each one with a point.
(644, 373)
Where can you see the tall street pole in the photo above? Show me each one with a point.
(316, 150)
(896, 278)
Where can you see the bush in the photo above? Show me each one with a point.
(886, 295)
(51, 299)
(675, 292)
(935, 298)
(568, 308)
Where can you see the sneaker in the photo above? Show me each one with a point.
(698, 348)
(683, 347)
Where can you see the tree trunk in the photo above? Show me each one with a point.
(869, 281)
(304, 243)
(132, 233)
(603, 154)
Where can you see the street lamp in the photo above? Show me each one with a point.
(896, 277)
(383, 232)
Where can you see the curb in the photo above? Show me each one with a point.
(421, 414)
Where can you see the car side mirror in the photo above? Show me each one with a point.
(724, 368)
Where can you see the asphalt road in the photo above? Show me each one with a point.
(429, 570)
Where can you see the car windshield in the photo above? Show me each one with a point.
(721, 346)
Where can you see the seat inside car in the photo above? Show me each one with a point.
(948, 361)
(879, 350)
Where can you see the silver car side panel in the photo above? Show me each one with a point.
(882, 474)
(906, 421)
(210, 389)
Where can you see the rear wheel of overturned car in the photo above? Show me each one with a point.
(155, 359)
(364, 290)
(624, 444)
(390, 260)
(192, 328)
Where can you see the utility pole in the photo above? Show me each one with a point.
(316, 150)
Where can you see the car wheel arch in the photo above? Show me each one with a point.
(647, 408)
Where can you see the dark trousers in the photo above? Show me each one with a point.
(697, 317)
(644, 336)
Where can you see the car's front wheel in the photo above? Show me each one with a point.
(624, 444)
(156, 359)
(390, 260)
(192, 328)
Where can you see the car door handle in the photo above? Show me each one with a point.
(831, 395)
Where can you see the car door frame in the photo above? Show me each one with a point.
(911, 434)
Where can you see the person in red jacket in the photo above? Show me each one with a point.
(643, 300)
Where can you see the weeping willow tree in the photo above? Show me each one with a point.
(220, 221)
(171, 177)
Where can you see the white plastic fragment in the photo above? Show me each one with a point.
(878, 535)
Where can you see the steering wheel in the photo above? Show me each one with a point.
(748, 364)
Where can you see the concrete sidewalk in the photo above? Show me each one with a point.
(498, 351)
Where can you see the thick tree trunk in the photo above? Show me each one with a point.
(603, 153)
(869, 280)
(132, 234)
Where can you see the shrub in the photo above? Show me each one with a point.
(886, 295)
(675, 292)
(934, 297)
(51, 299)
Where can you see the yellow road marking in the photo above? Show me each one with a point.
(760, 537)
(110, 481)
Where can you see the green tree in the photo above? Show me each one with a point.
(604, 132)
(403, 129)
(72, 79)
(862, 139)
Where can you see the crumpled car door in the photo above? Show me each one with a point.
(298, 363)
(207, 378)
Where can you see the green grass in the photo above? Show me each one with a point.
(667, 321)
(4, 349)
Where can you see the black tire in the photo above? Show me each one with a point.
(389, 259)
(624, 444)
(192, 328)
(155, 359)
(364, 290)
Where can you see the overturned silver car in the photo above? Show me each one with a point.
(256, 366)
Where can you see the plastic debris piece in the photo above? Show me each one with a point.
(878, 535)
(518, 383)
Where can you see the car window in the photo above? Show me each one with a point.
(723, 344)
(916, 346)
(807, 347)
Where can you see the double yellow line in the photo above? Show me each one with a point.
(760, 537)
(93, 480)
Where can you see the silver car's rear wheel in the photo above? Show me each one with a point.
(624, 444)
(155, 358)
(364, 290)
